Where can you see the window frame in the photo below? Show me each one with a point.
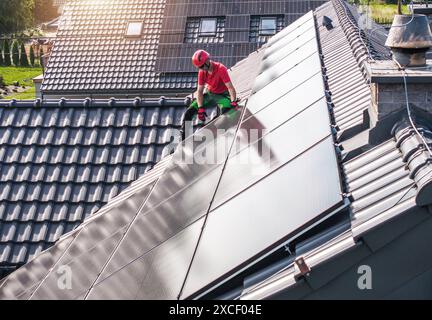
(207, 34)
(134, 35)
(265, 32)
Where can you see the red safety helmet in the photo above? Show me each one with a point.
(200, 57)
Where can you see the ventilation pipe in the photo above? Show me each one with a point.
(409, 39)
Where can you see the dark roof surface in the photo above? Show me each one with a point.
(91, 54)
(380, 185)
(174, 55)
(166, 238)
(165, 218)
(59, 164)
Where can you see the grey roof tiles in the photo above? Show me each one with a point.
(378, 186)
(58, 165)
(91, 54)
(378, 180)
(172, 206)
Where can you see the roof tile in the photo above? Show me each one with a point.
(73, 159)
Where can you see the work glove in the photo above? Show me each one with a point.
(234, 104)
(202, 114)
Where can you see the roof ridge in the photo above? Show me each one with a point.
(88, 102)
(361, 40)
(356, 43)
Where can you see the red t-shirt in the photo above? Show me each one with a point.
(216, 80)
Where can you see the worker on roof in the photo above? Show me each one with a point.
(214, 88)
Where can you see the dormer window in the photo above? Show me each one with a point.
(134, 29)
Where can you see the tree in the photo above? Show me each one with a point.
(44, 11)
(6, 52)
(1, 55)
(41, 53)
(32, 56)
(15, 16)
(15, 53)
(23, 57)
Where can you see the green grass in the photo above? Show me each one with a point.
(29, 94)
(380, 11)
(24, 76)
(384, 13)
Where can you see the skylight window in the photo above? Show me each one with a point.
(204, 30)
(207, 27)
(267, 26)
(264, 27)
(134, 29)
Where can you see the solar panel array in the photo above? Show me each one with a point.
(294, 178)
(198, 224)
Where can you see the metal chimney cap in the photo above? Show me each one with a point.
(409, 32)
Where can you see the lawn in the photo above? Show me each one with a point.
(384, 13)
(24, 75)
(380, 11)
(29, 94)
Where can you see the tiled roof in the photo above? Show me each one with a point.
(380, 183)
(91, 53)
(176, 207)
(60, 161)
(241, 19)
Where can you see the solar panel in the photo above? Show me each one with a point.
(275, 149)
(280, 181)
(265, 215)
(289, 102)
(305, 31)
(22, 283)
(91, 249)
(158, 274)
(306, 39)
(180, 197)
(286, 82)
(293, 26)
(290, 42)
(286, 64)
(83, 270)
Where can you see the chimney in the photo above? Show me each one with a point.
(409, 39)
(408, 73)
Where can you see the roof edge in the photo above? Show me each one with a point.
(412, 144)
(97, 103)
